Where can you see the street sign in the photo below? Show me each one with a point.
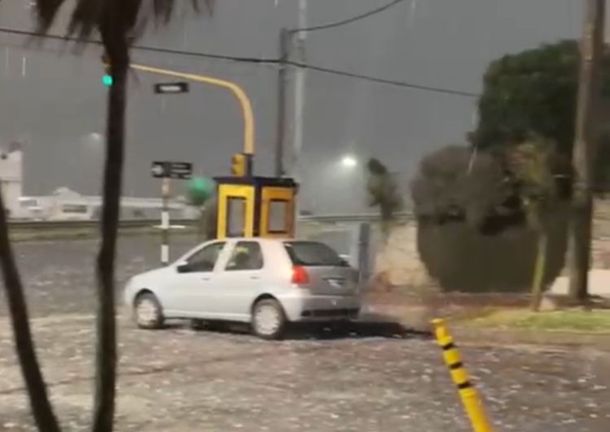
(171, 88)
(173, 170)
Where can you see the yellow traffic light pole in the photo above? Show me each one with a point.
(238, 92)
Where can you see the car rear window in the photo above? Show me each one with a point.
(313, 254)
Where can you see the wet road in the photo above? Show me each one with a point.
(181, 380)
(59, 275)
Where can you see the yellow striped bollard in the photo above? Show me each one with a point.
(469, 396)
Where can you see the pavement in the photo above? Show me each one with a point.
(372, 379)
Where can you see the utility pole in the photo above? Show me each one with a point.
(580, 235)
(299, 88)
(284, 52)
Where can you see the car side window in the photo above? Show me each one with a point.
(246, 256)
(205, 259)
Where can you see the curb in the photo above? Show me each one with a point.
(470, 335)
(499, 337)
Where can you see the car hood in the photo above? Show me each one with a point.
(152, 275)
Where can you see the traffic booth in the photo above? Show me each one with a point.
(250, 206)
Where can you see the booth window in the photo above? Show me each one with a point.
(278, 216)
(236, 217)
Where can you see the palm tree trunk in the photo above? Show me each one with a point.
(106, 355)
(539, 269)
(24, 344)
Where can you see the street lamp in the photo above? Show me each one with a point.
(349, 161)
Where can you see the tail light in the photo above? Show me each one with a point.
(300, 276)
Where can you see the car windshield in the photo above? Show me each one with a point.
(313, 254)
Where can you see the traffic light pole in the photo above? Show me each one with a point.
(238, 92)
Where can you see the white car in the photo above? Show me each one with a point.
(264, 282)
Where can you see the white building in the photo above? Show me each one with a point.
(11, 177)
(65, 204)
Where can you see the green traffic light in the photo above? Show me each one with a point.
(107, 80)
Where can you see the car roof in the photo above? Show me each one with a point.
(265, 240)
(259, 239)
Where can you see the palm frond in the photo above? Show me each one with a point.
(128, 17)
(85, 18)
(46, 12)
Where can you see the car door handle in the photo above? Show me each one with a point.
(205, 278)
(254, 277)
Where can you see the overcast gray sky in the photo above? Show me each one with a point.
(54, 102)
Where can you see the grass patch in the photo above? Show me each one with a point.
(568, 320)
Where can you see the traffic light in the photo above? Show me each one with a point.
(107, 77)
(239, 165)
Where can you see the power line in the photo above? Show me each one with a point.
(386, 81)
(349, 20)
(140, 47)
(254, 60)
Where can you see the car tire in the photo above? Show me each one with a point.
(268, 320)
(147, 312)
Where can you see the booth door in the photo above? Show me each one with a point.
(277, 212)
(235, 211)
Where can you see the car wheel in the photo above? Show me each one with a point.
(147, 312)
(268, 320)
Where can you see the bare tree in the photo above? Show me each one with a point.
(117, 22)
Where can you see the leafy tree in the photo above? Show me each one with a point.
(200, 190)
(457, 184)
(531, 164)
(471, 224)
(383, 192)
(209, 220)
(201, 195)
(117, 22)
(534, 92)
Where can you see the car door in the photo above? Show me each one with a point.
(239, 281)
(189, 293)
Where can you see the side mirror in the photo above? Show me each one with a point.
(183, 268)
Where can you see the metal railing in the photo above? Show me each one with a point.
(344, 218)
(68, 224)
(143, 223)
